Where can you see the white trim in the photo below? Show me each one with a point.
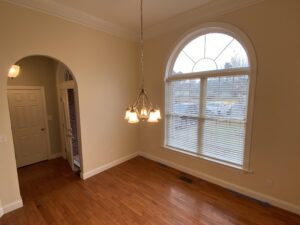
(203, 12)
(208, 159)
(55, 155)
(225, 184)
(211, 27)
(107, 166)
(240, 36)
(211, 73)
(1, 212)
(12, 206)
(61, 11)
(64, 86)
(42, 90)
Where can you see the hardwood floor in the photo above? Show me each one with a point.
(138, 192)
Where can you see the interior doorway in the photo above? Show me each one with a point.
(69, 114)
(44, 111)
(69, 125)
(29, 125)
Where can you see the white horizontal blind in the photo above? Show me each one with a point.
(225, 115)
(212, 125)
(207, 95)
(182, 112)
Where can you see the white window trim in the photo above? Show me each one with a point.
(252, 70)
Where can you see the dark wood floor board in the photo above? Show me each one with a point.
(138, 192)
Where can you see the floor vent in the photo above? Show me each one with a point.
(186, 179)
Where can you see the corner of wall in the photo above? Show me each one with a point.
(11, 207)
(1, 210)
(55, 155)
(93, 172)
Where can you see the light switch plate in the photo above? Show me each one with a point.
(3, 138)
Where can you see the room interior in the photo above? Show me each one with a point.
(161, 169)
(61, 103)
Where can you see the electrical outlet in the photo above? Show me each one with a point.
(3, 138)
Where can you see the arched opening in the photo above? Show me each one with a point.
(209, 83)
(44, 111)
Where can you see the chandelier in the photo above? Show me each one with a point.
(142, 109)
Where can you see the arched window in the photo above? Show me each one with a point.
(209, 94)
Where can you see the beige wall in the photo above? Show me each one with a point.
(106, 72)
(41, 71)
(273, 27)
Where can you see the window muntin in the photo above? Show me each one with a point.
(207, 109)
(213, 51)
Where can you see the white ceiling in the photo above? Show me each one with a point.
(121, 17)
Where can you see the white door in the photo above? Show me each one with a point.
(67, 127)
(29, 125)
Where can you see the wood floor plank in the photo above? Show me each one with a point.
(138, 192)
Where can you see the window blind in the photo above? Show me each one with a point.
(207, 116)
(182, 114)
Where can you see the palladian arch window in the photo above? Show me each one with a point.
(207, 99)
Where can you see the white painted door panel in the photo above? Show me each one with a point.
(27, 112)
(67, 127)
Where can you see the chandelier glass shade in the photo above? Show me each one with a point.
(142, 109)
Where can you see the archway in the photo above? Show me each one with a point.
(44, 112)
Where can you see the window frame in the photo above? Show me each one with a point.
(251, 70)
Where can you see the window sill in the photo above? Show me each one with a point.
(207, 159)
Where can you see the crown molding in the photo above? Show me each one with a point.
(194, 16)
(76, 16)
(206, 11)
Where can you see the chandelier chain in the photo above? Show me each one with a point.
(142, 46)
(142, 109)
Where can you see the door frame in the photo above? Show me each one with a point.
(67, 127)
(64, 86)
(45, 116)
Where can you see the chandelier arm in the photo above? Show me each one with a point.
(138, 98)
(148, 100)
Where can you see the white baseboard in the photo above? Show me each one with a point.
(11, 207)
(245, 191)
(55, 155)
(107, 166)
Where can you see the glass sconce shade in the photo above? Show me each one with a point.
(14, 71)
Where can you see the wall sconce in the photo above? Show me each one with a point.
(14, 71)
